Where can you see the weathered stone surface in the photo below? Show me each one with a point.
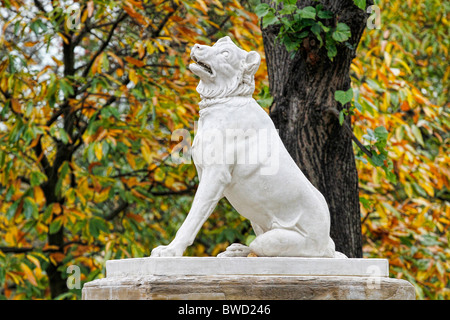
(261, 278)
(239, 287)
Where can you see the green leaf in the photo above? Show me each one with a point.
(307, 13)
(262, 9)
(381, 133)
(378, 159)
(360, 4)
(343, 97)
(324, 27)
(417, 134)
(365, 202)
(66, 87)
(316, 29)
(30, 208)
(341, 117)
(62, 174)
(96, 225)
(269, 19)
(55, 226)
(12, 209)
(342, 32)
(48, 212)
(63, 135)
(288, 9)
(324, 14)
(35, 26)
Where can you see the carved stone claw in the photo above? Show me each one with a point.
(235, 250)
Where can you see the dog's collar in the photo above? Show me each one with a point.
(207, 102)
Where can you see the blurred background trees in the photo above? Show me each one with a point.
(88, 105)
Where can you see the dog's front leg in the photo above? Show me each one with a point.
(214, 180)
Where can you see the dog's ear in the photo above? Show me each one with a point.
(252, 61)
(224, 39)
(251, 65)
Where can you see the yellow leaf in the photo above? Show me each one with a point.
(34, 260)
(132, 75)
(66, 41)
(408, 190)
(146, 152)
(130, 159)
(98, 149)
(428, 188)
(39, 195)
(96, 66)
(103, 196)
(28, 274)
(159, 175)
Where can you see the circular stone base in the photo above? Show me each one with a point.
(247, 287)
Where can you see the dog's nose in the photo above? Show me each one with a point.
(198, 50)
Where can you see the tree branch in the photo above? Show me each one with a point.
(117, 211)
(40, 6)
(349, 130)
(104, 44)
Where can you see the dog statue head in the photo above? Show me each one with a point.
(224, 69)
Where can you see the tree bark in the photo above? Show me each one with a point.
(303, 89)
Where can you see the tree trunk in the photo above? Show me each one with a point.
(303, 90)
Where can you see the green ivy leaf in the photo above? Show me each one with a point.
(262, 9)
(307, 13)
(360, 4)
(288, 9)
(342, 32)
(269, 19)
(343, 97)
(324, 14)
(316, 29)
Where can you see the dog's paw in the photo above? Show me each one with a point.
(167, 251)
(235, 250)
(339, 255)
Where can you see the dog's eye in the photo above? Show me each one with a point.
(225, 53)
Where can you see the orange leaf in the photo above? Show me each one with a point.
(28, 274)
(405, 106)
(134, 61)
(30, 43)
(15, 105)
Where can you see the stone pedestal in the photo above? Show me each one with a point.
(259, 278)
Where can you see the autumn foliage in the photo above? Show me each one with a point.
(87, 112)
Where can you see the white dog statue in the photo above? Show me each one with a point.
(239, 155)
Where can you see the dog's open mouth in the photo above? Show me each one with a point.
(203, 65)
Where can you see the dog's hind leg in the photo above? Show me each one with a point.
(289, 243)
